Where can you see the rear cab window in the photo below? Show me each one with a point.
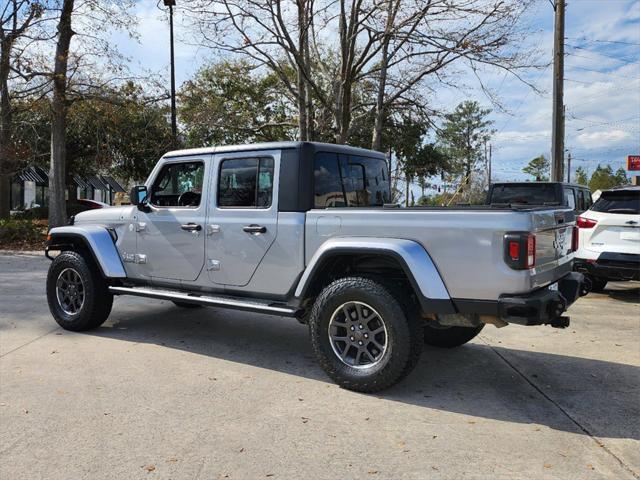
(626, 202)
(570, 198)
(350, 181)
(522, 193)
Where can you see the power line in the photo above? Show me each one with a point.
(618, 58)
(609, 74)
(584, 39)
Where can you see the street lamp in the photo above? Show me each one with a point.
(171, 4)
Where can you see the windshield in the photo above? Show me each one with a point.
(623, 202)
(532, 194)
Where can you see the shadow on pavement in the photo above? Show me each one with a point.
(631, 295)
(472, 380)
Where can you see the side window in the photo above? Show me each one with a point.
(328, 182)
(369, 179)
(569, 198)
(350, 181)
(178, 185)
(246, 183)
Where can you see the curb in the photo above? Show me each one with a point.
(29, 253)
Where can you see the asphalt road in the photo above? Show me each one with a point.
(162, 392)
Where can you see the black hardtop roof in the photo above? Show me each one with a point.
(567, 184)
(316, 146)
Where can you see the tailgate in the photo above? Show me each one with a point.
(554, 232)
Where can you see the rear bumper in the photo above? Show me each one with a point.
(610, 265)
(543, 306)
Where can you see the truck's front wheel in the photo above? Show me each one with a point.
(78, 296)
(361, 336)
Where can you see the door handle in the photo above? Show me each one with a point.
(191, 227)
(254, 229)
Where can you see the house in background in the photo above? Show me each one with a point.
(101, 189)
(30, 188)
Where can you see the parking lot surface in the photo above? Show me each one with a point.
(162, 392)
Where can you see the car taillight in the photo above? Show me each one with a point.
(520, 250)
(585, 222)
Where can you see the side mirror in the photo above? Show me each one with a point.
(138, 195)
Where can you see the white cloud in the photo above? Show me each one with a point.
(596, 139)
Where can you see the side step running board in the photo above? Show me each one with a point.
(211, 301)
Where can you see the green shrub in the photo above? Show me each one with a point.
(21, 231)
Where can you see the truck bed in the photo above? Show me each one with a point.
(466, 243)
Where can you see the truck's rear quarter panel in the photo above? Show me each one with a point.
(466, 245)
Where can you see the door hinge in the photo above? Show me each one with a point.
(141, 226)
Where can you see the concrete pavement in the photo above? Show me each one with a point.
(162, 392)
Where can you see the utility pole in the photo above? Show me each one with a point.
(489, 164)
(557, 132)
(569, 168)
(174, 129)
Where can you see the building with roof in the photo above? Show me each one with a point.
(30, 188)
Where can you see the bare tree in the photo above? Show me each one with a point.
(59, 107)
(77, 74)
(273, 34)
(16, 18)
(422, 41)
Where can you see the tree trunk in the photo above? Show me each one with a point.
(406, 190)
(59, 108)
(6, 157)
(376, 141)
(303, 118)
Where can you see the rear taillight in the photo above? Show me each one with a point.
(520, 250)
(531, 251)
(585, 222)
(575, 239)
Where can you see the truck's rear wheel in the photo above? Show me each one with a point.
(78, 296)
(361, 336)
(450, 337)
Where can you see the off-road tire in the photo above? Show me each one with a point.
(186, 304)
(98, 301)
(404, 335)
(450, 337)
(598, 284)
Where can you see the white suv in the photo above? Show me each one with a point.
(609, 238)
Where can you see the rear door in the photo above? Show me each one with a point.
(617, 214)
(243, 223)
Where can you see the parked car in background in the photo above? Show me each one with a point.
(92, 204)
(574, 196)
(609, 238)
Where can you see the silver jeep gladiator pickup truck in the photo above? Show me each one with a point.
(304, 230)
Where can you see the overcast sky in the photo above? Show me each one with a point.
(602, 83)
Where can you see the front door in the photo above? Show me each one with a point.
(243, 222)
(170, 240)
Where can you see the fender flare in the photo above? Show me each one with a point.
(97, 240)
(412, 257)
